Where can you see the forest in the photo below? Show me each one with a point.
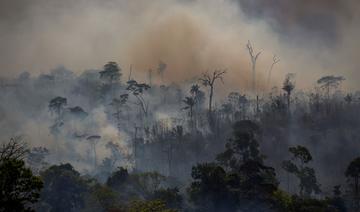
(179, 106)
(117, 144)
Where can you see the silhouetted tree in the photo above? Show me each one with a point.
(288, 87)
(208, 80)
(253, 56)
(161, 70)
(329, 82)
(275, 60)
(137, 90)
(353, 173)
(64, 188)
(306, 175)
(111, 74)
(118, 104)
(19, 188)
(57, 105)
(93, 140)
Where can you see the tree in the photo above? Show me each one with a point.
(64, 188)
(208, 80)
(210, 189)
(137, 90)
(111, 74)
(190, 103)
(19, 188)
(253, 180)
(118, 178)
(242, 147)
(329, 82)
(348, 98)
(93, 140)
(288, 87)
(57, 105)
(36, 158)
(275, 60)
(170, 196)
(253, 56)
(161, 70)
(118, 104)
(353, 173)
(15, 149)
(148, 206)
(306, 175)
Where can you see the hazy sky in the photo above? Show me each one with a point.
(312, 38)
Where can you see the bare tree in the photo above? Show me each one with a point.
(209, 80)
(253, 56)
(15, 149)
(275, 60)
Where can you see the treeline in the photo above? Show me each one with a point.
(238, 179)
(177, 137)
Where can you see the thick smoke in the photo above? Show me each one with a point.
(190, 36)
(319, 20)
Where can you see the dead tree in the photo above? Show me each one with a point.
(275, 61)
(208, 80)
(16, 149)
(253, 57)
(93, 140)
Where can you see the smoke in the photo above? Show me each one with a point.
(311, 39)
(319, 20)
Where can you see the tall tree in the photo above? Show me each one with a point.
(111, 74)
(353, 173)
(137, 90)
(161, 70)
(118, 104)
(275, 60)
(254, 57)
(57, 105)
(306, 175)
(288, 87)
(208, 80)
(190, 103)
(93, 141)
(330, 82)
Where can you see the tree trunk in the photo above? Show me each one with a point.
(210, 98)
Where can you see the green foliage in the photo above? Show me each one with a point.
(242, 147)
(306, 175)
(19, 189)
(148, 206)
(170, 196)
(210, 190)
(64, 188)
(111, 72)
(149, 182)
(118, 178)
(283, 200)
(106, 197)
(301, 153)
